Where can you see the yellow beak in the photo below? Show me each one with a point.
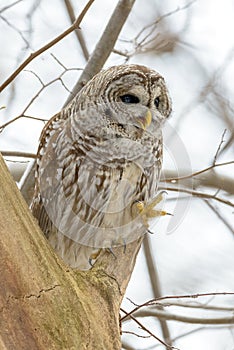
(146, 120)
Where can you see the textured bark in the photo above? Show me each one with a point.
(43, 303)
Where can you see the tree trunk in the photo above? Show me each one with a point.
(43, 303)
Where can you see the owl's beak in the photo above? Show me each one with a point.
(146, 120)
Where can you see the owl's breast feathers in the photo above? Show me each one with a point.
(90, 186)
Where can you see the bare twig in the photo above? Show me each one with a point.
(204, 306)
(9, 6)
(198, 194)
(18, 117)
(43, 86)
(33, 55)
(186, 319)
(175, 179)
(18, 154)
(155, 23)
(168, 297)
(219, 147)
(12, 26)
(137, 335)
(152, 38)
(209, 179)
(148, 331)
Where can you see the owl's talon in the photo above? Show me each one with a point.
(125, 246)
(91, 262)
(147, 211)
(150, 232)
(110, 250)
(93, 257)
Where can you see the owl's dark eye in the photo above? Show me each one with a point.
(156, 102)
(129, 99)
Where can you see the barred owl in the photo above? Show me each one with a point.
(99, 162)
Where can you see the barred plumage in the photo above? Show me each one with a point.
(98, 157)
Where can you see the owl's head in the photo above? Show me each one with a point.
(132, 96)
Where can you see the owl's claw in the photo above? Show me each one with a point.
(151, 232)
(147, 211)
(93, 257)
(110, 249)
(124, 246)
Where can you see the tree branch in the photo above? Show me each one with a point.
(184, 177)
(172, 297)
(198, 194)
(18, 154)
(58, 307)
(164, 315)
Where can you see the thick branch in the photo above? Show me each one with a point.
(43, 303)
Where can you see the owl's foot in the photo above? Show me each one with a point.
(93, 257)
(147, 211)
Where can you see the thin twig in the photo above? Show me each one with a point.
(12, 26)
(148, 331)
(18, 117)
(9, 6)
(198, 194)
(185, 319)
(33, 55)
(175, 179)
(137, 335)
(219, 147)
(18, 154)
(185, 296)
(162, 17)
(197, 306)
